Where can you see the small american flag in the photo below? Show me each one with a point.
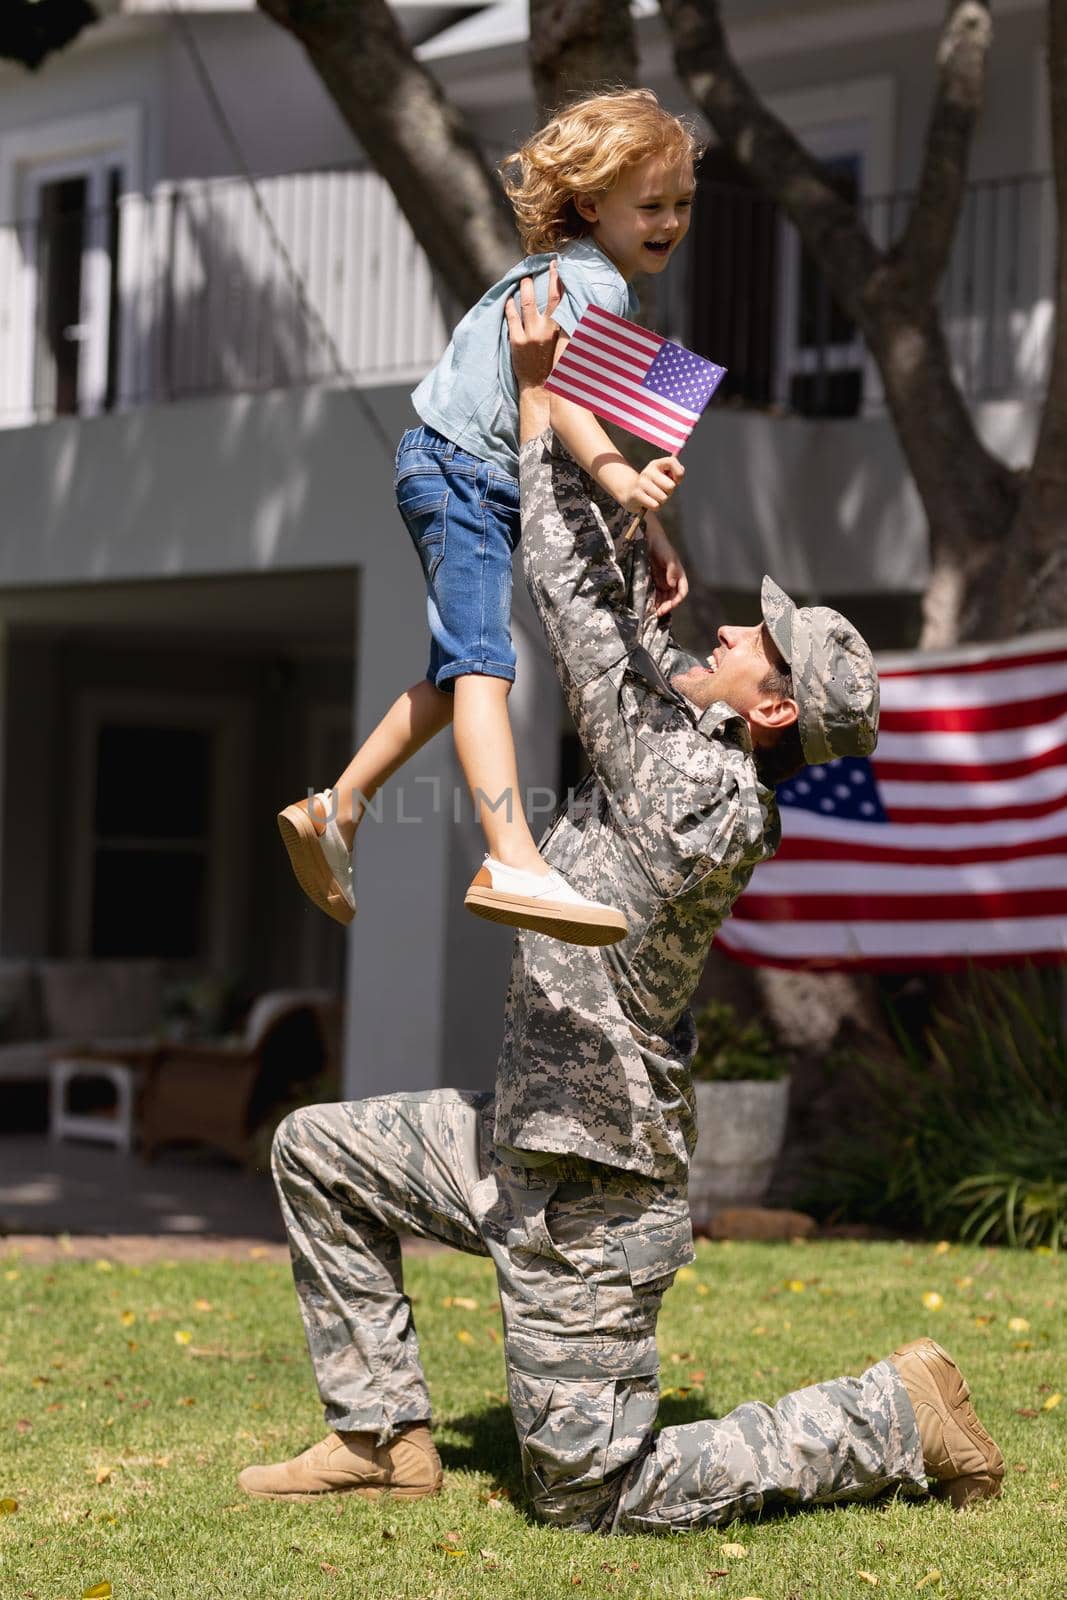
(948, 846)
(648, 385)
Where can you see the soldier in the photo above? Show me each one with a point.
(573, 1176)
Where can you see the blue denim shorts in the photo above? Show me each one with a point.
(463, 518)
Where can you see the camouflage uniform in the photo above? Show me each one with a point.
(573, 1177)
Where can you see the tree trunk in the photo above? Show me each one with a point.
(970, 497)
(414, 137)
(1036, 577)
(577, 47)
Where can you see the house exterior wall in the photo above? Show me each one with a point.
(295, 479)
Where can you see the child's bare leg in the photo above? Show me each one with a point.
(411, 721)
(486, 753)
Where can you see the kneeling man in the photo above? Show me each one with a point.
(572, 1177)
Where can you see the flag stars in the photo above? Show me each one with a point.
(846, 790)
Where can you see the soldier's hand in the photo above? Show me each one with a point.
(532, 333)
(668, 573)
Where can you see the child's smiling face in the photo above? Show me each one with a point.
(644, 218)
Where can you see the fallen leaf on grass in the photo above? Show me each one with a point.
(187, 1400)
(461, 1302)
(932, 1300)
(8, 1506)
(933, 1576)
(942, 1247)
(718, 1572)
(465, 1337)
(1052, 1402)
(685, 1275)
(491, 1559)
(105, 1266)
(452, 1537)
(203, 1305)
(24, 1425)
(735, 1552)
(182, 1336)
(11, 1275)
(103, 1474)
(1018, 1325)
(326, 1566)
(868, 1577)
(450, 1550)
(796, 1285)
(1026, 1411)
(97, 1591)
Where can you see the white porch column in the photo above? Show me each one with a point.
(426, 980)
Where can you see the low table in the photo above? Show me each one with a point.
(109, 1127)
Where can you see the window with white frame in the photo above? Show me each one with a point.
(62, 263)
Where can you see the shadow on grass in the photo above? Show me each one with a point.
(484, 1441)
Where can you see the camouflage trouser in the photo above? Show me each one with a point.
(583, 1255)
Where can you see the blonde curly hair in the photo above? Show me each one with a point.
(585, 149)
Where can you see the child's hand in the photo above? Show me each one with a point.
(654, 486)
(668, 574)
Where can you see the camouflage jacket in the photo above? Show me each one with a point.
(668, 827)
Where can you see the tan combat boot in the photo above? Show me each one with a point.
(957, 1452)
(352, 1463)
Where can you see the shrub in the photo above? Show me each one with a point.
(965, 1128)
(731, 1050)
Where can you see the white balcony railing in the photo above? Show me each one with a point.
(184, 293)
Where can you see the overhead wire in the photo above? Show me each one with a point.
(309, 310)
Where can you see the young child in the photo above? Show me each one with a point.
(607, 185)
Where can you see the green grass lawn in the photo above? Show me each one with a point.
(129, 1398)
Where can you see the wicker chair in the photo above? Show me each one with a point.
(219, 1094)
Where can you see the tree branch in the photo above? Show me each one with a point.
(414, 137)
(579, 46)
(31, 30)
(830, 227)
(926, 244)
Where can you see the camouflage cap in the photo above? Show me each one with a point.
(835, 682)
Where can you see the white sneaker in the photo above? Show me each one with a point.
(547, 904)
(319, 856)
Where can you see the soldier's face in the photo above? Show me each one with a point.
(735, 672)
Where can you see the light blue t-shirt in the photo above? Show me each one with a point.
(470, 396)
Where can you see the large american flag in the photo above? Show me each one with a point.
(948, 846)
(648, 385)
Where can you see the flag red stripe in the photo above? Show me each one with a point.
(946, 963)
(845, 908)
(588, 331)
(999, 664)
(680, 416)
(841, 854)
(975, 719)
(645, 427)
(917, 814)
(967, 772)
(594, 314)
